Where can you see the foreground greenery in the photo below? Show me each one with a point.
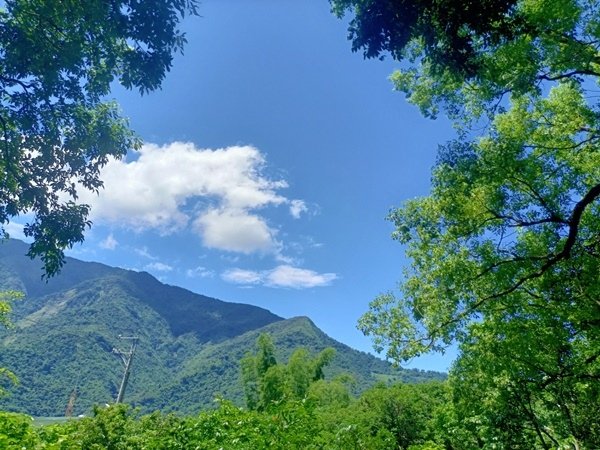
(402, 416)
(293, 405)
(505, 250)
(289, 405)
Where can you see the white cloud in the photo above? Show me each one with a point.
(294, 277)
(297, 207)
(159, 267)
(235, 231)
(199, 272)
(219, 192)
(241, 276)
(110, 243)
(281, 276)
(15, 230)
(145, 253)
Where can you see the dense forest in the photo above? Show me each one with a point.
(504, 251)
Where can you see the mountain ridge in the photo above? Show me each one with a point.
(189, 348)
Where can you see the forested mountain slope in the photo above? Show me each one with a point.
(189, 345)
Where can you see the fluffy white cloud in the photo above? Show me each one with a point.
(219, 192)
(281, 276)
(110, 243)
(294, 277)
(235, 231)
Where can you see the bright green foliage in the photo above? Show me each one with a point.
(505, 250)
(512, 216)
(6, 299)
(267, 383)
(58, 60)
(330, 394)
(117, 427)
(289, 426)
(110, 428)
(261, 384)
(402, 417)
(16, 431)
(531, 382)
(399, 416)
(510, 229)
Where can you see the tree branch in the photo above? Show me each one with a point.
(575, 219)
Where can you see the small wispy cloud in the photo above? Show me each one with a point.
(159, 267)
(143, 252)
(241, 276)
(297, 207)
(283, 276)
(110, 243)
(199, 272)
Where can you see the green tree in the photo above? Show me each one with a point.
(254, 368)
(16, 431)
(58, 60)
(528, 383)
(505, 250)
(401, 415)
(463, 58)
(450, 32)
(267, 383)
(6, 300)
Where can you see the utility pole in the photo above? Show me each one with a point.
(71, 403)
(126, 357)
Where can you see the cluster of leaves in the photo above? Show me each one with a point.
(57, 62)
(505, 250)
(451, 32)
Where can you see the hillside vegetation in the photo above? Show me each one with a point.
(189, 349)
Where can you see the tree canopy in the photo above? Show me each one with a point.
(505, 249)
(451, 33)
(58, 60)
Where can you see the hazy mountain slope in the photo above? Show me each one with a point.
(189, 347)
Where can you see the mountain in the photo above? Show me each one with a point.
(189, 347)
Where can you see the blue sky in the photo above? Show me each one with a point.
(273, 154)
